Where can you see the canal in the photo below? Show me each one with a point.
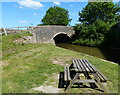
(109, 54)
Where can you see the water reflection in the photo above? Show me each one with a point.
(108, 54)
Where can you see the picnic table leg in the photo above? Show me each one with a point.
(71, 66)
(101, 85)
(72, 82)
(88, 77)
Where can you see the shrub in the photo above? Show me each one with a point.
(92, 34)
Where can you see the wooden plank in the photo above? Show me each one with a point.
(68, 74)
(72, 82)
(65, 73)
(90, 69)
(74, 65)
(101, 85)
(80, 69)
(5, 31)
(86, 68)
(102, 77)
(83, 69)
(71, 66)
(93, 68)
(84, 81)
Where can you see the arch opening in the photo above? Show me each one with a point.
(61, 38)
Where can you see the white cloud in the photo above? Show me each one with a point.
(20, 7)
(23, 21)
(31, 4)
(57, 3)
(34, 14)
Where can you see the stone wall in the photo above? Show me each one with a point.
(45, 34)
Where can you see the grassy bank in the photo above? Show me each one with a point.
(31, 65)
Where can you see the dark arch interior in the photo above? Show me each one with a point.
(61, 38)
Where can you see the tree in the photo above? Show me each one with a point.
(118, 12)
(96, 19)
(105, 11)
(56, 16)
(91, 34)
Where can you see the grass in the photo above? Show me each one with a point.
(28, 66)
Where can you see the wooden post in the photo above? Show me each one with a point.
(5, 31)
(72, 82)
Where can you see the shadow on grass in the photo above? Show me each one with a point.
(64, 84)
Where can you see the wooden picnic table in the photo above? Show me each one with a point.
(83, 66)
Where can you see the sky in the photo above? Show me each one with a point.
(27, 12)
(30, 12)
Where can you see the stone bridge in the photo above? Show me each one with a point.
(51, 34)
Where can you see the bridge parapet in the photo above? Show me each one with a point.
(46, 33)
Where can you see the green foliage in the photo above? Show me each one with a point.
(97, 19)
(98, 10)
(118, 12)
(40, 24)
(56, 16)
(91, 34)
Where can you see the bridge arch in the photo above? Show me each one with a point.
(49, 33)
(61, 37)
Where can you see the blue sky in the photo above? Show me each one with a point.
(27, 12)
(24, 13)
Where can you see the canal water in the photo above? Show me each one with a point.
(109, 54)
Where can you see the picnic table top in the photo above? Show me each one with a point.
(83, 66)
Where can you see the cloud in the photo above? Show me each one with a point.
(31, 4)
(34, 14)
(23, 21)
(20, 7)
(57, 3)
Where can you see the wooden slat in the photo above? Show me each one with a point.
(68, 74)
(74, 65)
(65, 73)
(102, 77)
(93, 68)
(86, 68)
(83, 69)
(71, 66)
(90, 69)
(80, 69)
(99, 82)
(84, 81)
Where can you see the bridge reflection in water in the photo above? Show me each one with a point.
(104, 53)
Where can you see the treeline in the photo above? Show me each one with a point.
(99, 33)
(99, 25)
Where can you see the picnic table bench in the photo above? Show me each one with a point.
(83, 66)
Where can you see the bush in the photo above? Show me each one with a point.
(91, 34)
